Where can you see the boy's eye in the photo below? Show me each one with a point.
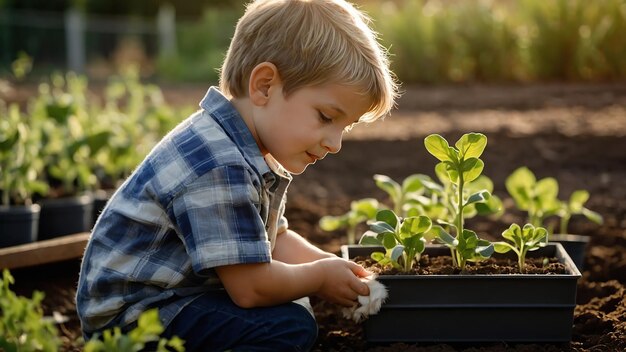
(324, 118)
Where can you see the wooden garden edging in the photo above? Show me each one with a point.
(43, 252)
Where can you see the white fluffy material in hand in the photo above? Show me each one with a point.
(368, 305)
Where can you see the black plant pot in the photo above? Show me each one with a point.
(575, 246)
(18, 225)
(475, 308)
(65, 216)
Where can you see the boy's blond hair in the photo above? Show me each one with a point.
(311, 42)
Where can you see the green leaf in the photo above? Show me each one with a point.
(592, 215)
(513, 234)
(520, 185)
(388, 217)
(59, 112)
(438, 147)
(396, 252)
(452, 172)
(481, 183)
(577, 200)
(484, 249)
(370, 238)
(412, 183)
(8, 142)
(493, 205)
(502, 247)
(389, 240)
(381, 227)
(366, 208)
(444, 237)
(547, 191)
(416, 243)
(540, 238)
(471, 145)
(415, 225)
(332, 223)
(431, 185)
(441, 171)
(481, 197)
(391, 187)
(97, 141)
(378, 256)
(472, 168)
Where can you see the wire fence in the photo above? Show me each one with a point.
(69, 40)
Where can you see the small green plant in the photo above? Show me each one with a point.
(522, 241)
(148, 329)
(22, 327)
(405, 194)
(575, 206)
(403, 239)
(539, 199)
(360, 211)
(71, 134)
(20, 166)
(460, 165)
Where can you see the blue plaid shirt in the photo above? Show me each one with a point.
(203, 197)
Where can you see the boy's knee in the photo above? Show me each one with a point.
(296, 330)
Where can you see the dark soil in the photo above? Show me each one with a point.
(437, 265)
(575, 133)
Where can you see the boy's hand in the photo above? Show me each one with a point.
(341, 283)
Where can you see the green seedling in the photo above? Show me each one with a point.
(414, 190)
(575, 206)
(20, 166)
(539, 199)
(403, 239)
(148, 330)
(22, 327)
(421, 195)
(459, 166)
(522, 241)
(360, 211)
(447, 194)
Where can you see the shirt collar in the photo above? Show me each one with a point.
(225, 114)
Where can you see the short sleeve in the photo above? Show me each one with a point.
(219, 220)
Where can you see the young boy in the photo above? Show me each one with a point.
(198, 230)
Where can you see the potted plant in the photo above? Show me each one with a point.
(69, 144)
(539, 199)
(19, 171)
(422, 305)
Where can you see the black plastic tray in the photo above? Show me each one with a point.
(464, 308)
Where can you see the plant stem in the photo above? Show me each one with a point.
(564, 223)
(453, 252)
(351, 232)
(459, 215)
(520, 263)
(408, 263)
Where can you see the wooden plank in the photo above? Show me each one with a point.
(42, 252)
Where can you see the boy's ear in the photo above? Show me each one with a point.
(263, 80)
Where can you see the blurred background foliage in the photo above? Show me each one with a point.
(431, 41)
(86, 140)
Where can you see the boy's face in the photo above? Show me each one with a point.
(308, 124)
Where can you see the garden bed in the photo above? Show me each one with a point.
(576, 134)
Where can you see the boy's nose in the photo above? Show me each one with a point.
(332, 142)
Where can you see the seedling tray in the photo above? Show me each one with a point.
(475, 308)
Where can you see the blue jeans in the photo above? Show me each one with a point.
(212, 322)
